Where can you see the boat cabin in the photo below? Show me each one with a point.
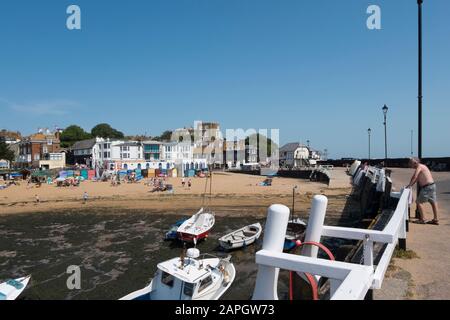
(185, 280)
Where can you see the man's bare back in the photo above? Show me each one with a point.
(427, 190)
(424, 176)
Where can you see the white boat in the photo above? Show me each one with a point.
(197, 227)
(191, 278)
(242, 237)
(11, 289)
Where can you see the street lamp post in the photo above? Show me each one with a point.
(412, 143)
(385, 111)
(420, 93)
(293, 201)
(369, 131)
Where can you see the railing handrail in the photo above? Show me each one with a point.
(348, 280)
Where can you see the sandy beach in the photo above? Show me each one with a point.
(239, 193)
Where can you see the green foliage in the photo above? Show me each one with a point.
(405, 254)
(104, 130)
(262, 142)
(73, 134)
(165, 136)
(5, 152)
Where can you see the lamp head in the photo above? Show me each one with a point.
(385, 109)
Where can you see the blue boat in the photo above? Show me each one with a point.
(172, 233)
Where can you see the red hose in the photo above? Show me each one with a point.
(311, 279)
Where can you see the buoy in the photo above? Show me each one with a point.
(298, 243)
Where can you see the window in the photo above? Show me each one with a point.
(167, 279)
(205, 283)
(105, 146)
(188, 289)
(151, 148)
(105, 155)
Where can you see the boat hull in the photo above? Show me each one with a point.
(239, 239)
(9, 292)
(188, 237)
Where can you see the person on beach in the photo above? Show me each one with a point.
(36, 197)
(427, 190)
(183, 182)
(85, 197)
(189, 183)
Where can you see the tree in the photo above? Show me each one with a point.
(165, 136)
(72, 134)
(104, 130)
(263, 142)
(5, 152)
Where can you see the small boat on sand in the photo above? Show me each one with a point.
(12, 288)
(242, 237)
(197, 227)
(196, 277)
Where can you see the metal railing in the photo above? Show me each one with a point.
(348, 281)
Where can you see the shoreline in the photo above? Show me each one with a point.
(223, 204)
(232, 194)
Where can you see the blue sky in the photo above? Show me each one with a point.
(310, 68)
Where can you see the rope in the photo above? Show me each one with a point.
(311, 279)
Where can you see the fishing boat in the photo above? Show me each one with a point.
(295, 231)
(12, 288)
(242, 237)
(193, 277)
(197, 227)
(172, 233)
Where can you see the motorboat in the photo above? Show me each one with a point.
(11, 289)
(193, 277)
(241, 237)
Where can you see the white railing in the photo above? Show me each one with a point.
(348, 281)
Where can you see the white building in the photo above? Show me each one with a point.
(181, 156)
(293, 155)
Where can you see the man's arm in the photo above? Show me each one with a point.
(414, 177)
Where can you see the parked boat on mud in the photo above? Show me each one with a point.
(241, 237)
(193, 277)
(197, 227)
(11, 289)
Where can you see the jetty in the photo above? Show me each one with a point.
(352, 280)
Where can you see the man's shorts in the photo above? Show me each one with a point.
(427, 194)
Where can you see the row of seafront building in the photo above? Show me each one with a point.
(198, 148)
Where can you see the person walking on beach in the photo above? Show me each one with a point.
(36, 197)
(189, 183)
(427, 190)
(85, 197)
(183, 182)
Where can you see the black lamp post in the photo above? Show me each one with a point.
(385, 111)
(293, 201)
(369, 131)
(420, 94)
